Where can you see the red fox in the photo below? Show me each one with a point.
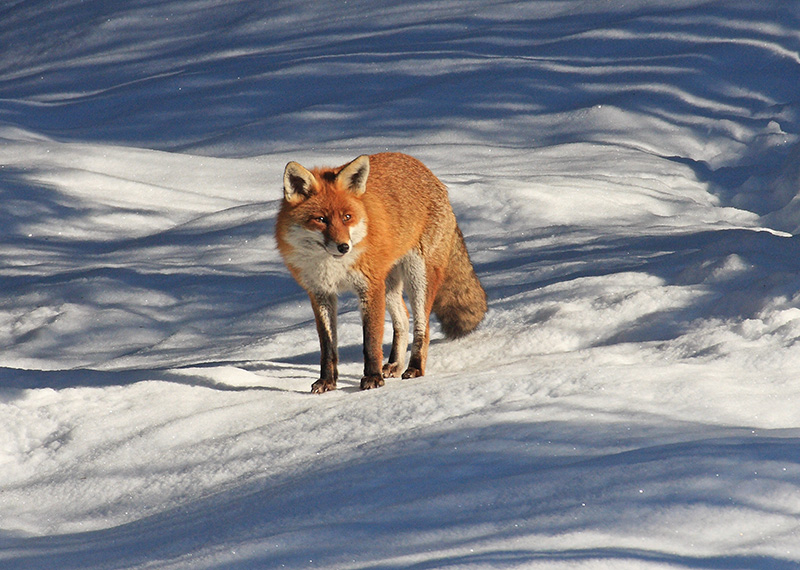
(374, 226)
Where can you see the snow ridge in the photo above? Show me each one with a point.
(626, 178)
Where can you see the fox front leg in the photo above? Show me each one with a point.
(373, 307)
(325, 307)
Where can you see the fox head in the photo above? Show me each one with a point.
(325, 206)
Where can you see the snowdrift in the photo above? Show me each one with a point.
(626, 179)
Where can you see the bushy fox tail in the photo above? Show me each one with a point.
(460, 303)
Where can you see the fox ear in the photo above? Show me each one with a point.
(298, 183)
(354, 175)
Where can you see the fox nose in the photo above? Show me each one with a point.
(343, 248)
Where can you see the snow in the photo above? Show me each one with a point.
(626, 178)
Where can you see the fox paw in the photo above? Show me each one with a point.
(321, 386)
(372, 381)
(412, 373)
(391, 370)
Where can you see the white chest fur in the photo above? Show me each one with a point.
(319, 270)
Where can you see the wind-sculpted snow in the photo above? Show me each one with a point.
(626, 178)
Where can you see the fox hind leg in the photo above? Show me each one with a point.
(423, 282)
(400, 324)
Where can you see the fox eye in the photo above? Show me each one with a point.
(346, 217)
(320, 219)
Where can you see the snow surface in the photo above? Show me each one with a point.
(626, 176)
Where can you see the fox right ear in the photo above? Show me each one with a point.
(354, 175)
(298, 183)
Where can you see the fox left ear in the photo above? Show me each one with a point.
(298, 183)
(354, 175)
